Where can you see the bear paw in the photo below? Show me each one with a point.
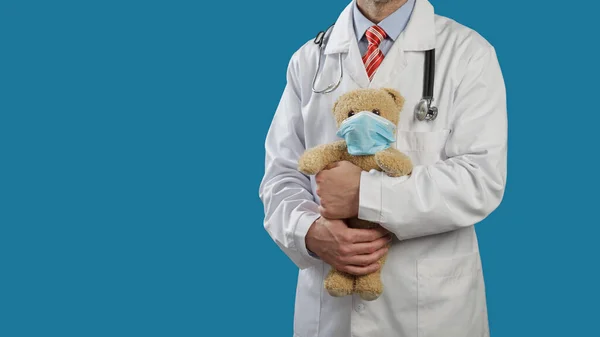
(393, 163)
(308, 164)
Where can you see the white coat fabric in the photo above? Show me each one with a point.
(433, 280)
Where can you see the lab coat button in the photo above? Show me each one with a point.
(360, 307)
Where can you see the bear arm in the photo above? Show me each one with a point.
(318, 158)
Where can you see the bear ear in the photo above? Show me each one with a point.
(398, 99)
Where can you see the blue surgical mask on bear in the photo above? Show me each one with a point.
(367, 133)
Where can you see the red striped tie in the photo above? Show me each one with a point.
(374, 56)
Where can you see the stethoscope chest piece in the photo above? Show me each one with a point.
(425, 112)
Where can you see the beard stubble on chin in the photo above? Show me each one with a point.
(379, 1)
(377, 10)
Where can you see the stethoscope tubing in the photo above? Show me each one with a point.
(423, 111)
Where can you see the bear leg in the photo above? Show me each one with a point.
(338, 283)
(369, 287)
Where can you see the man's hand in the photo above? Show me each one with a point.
(338, 189)
(354, 251)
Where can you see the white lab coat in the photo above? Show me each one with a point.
(433, 280)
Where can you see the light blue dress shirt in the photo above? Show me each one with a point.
(393, 25)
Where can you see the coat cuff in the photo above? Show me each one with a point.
(369, 200)
(300, 238)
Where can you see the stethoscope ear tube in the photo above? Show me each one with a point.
(428, 76)
(424, 111)
(319, 38)
(321, 41)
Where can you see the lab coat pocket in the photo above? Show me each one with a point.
(451, 299)
(423, 148)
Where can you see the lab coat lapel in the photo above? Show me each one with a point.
(343, 41)
(419, 35)
(355, 66)
(391, 67)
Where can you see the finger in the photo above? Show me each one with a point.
(326, 213)
(370, 247)
(366, 235)
(367, 259)
(335, 164)
(340, 166)
(360, 270)
(319, 177)
(330, 166)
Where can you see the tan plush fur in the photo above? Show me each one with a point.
(388, 103)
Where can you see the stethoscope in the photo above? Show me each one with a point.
(424, 111)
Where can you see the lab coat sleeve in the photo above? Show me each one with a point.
(289, 204)
(466, 187)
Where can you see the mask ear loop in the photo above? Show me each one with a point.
(383, 131)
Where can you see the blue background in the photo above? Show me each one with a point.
(131, 150)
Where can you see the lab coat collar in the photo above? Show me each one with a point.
(419, 34)
(342, 33)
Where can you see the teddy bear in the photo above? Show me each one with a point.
(366, 143)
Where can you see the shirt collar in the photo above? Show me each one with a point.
(393, 24)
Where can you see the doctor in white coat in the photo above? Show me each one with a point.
(433, 279)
